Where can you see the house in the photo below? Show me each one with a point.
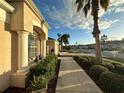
(52, 46)
(23, 36)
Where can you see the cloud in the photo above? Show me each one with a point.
(119, 9)
(116, 2)
(105, 24)
(116, 6)
(68, 16)
(116, 37)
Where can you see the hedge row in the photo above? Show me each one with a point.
(112, 82)
(85, 61)
(108, 75)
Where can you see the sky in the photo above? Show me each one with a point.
(63, 18)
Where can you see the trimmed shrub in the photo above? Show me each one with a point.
(84, 59)
(96, 70)
(113, 62)
(90, 58)
(108, 65)
(76, 58)
(119, 69)
(86, 62)
(112, 82)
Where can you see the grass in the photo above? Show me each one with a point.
(116, 59)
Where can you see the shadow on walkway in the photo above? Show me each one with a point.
(73, 79)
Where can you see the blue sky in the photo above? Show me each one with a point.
(62, 17)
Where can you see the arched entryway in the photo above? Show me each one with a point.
(36, 44)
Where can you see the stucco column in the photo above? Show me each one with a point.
(43, 45)
(22, 51)
(38, 48)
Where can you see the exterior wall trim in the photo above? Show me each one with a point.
(54, 41)
(6, 6)
(36, 11)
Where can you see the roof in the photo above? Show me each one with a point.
(49, 38)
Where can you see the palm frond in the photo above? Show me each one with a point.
(87, 8)
(104, 4)
(80, 4)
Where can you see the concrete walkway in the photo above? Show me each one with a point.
(72, 79)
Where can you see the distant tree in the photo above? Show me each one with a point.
(122, 39)
(76, 43)
(60, 41)
(63, 39)
(104, 38)
(59, 38)
(93, 6)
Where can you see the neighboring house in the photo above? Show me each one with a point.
(108, 45)
(23, 36)
(52, 46)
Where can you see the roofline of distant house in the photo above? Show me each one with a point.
(54, 41)
(6, 6)
(51, 39)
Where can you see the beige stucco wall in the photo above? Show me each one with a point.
(17, 21)
(51, 44)
(56, 48)
(7, 45)
(26, 18)
(5, 57)
(29, 16)
(23, 19)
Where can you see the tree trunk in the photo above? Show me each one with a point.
(61, 47)
(96, 33)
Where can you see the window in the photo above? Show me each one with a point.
(32, 46)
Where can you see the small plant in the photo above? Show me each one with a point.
(40, 74)
(38, 83)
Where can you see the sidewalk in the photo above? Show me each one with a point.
(72, 79)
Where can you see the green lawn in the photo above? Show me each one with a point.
(116, 59)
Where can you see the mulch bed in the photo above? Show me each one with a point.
(16, 90)
(51, 85)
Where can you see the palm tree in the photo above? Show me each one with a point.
(60, 41)
(93, 6)
(63, 39)
(104, 38)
